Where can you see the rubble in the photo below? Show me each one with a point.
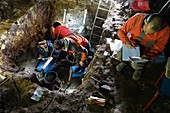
(117, 16)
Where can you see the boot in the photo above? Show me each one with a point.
(120, 66)
(137, 75)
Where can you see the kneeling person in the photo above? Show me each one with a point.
(47, 52)
(71, 47)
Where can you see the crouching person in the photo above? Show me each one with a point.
(47, 52)
(150, 33)
(75, 49)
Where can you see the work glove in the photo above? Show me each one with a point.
(167, 73)
(68, 83)
(74, 53)
(167, 76)
(129, 45)
(81, 63)
(144, 57)
(41, 59)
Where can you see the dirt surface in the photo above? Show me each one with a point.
(61, 100)
(137, 94)
(122, 94)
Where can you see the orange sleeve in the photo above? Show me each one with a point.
(128, 26)
(83, 57)
(70, 51)
(158, 48)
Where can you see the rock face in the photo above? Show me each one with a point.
(121, 94)
(22, 36)
(9, 9)
(99, 82)
(24, 33)
(19, 86)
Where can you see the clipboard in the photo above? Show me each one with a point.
(138, 59)
(127, 53)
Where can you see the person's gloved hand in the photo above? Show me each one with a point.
(167, 74)
(68, 83)
(81, 63)
(74, 53)
(144, 57)
(41, 59)
(129, 45)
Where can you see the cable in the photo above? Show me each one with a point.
(164, 6)
(47, 105)
(5, 80)
(19, 94)
(16, 87)
(74, 60)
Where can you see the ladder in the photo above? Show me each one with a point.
(101, 15)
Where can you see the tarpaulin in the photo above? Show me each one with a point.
(79, 73)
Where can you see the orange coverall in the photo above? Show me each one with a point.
(61, 31)
(71, 47)
(152, 45)
(78, 39)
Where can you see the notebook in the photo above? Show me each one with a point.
(127, 53)
(138, 59)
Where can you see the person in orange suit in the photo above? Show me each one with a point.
(76, 50)
(60, 31)
(71, 47)
(151, 33)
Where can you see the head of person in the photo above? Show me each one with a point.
(42, 47)
(56, 24)
(59, 44)
(153, 23)
(43, 44)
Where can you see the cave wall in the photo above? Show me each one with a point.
(61, 101)
(10, 8)
(19, 35)
(24, 33)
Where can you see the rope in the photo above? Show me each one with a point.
(5, 80)
(74, 58)
(59, 32)
(52, 52)
(19, 94)
(56, 39)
